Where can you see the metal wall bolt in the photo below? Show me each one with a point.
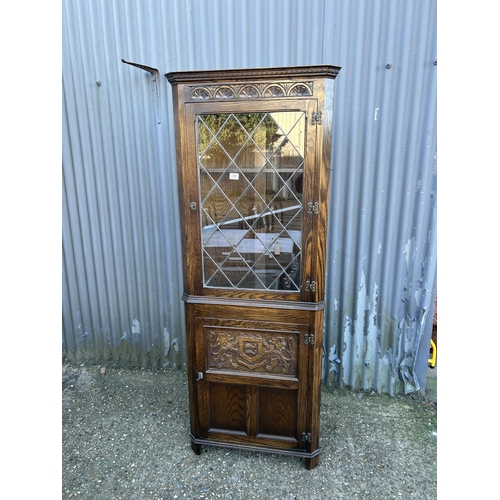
(435, 63)
(388, 66)
(98, 83)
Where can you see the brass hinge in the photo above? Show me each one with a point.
(313, 208)
(306, 437)
(310, 286)
(309, 338)
(316, 118)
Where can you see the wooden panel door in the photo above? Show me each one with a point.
(252, 385)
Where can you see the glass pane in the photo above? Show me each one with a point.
(250, 175)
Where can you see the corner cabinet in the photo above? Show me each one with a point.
(253, 159)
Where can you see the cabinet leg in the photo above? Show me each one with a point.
(312, 462)
(196, 447)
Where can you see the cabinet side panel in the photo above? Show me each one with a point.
(322, 183)
(314, 379)
(193, 366)
(179, 128)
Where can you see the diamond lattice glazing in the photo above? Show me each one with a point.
(250, 174)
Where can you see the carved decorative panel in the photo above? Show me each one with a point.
(252, 350)
(251, 91)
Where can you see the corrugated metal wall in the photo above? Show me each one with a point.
(121, 235)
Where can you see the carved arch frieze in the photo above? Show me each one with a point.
(250, 91)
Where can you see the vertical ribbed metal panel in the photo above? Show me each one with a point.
(121, 236)
(382, 249)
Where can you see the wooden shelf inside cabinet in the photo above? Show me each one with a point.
(253, 160)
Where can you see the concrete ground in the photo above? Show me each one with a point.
(125, 435)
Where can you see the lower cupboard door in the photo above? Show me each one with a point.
(254, 386)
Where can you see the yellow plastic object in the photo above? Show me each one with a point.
(432, 360)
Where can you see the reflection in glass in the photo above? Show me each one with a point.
(250, 175)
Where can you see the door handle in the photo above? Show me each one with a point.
(199, 377)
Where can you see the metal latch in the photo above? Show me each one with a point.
(200, 376)
(310, 286)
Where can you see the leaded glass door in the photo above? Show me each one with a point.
(251, 177)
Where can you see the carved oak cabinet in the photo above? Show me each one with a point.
(253, 159)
